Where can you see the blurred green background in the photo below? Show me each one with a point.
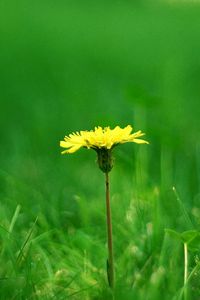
(72, 65)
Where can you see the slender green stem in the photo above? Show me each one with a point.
(185, 270)
(110, 261)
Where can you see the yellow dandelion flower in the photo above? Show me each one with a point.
(102, 140)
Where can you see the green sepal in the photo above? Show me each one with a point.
(105, 160)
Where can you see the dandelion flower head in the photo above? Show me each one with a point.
(101, 138)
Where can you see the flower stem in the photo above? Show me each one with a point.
(110, 261)
(185, 270)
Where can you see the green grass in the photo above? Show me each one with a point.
(55, 253)
(69, 66)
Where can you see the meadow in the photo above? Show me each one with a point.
(73, 65)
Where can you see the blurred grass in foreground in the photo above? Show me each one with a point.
(67, 66)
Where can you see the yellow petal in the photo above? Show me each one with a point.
(65, 144)
(139, 141)
(65, 151)
(74, 149)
